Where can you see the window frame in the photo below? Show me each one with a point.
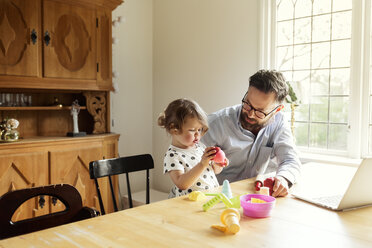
(360, 66)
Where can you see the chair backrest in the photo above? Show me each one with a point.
(115, 166)
(66, 193)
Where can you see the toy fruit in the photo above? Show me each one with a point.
(269, 182)
(220, 156)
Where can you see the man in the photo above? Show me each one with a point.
(254, 135)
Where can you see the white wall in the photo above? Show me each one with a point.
(205, 50)
(132, 59)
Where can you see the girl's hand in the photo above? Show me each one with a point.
(224, 164)
(209, 154)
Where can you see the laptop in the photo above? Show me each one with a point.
(357, 194)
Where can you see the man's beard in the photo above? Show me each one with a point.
(255, 126)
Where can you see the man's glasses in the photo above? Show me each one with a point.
(260, 114)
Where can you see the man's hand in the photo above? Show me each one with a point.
(281, 187)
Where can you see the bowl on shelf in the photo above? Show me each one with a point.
(257, 210)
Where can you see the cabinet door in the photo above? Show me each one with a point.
(70, 164)
(20, 38)
(69, 41)
(24, 170)
(104, 49)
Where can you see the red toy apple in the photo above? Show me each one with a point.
(220, 156)
(269, 182)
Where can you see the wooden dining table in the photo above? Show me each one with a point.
(180, 222)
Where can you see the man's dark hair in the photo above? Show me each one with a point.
(270, 81)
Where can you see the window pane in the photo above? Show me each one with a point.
(319, 109)
(340, 80)
(320, 55)
(340, 53)
(318, 67)
(301, 131)
(287, 111)
(341, 25)
(322, 28)
(337, 137)
(301, 85)
(321, 6)
(285, 33)
(319, 82)
(338, 109)
(342, 5)
(301, 58)
(318, 135)
(303, 8)
(284, 58)
(287, 75)
(284, 10)
(302, 112)
(302, 30)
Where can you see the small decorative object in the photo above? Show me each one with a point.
(75, 109)
(9, 131)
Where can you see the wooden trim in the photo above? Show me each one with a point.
(51, 83)
(110, 4)
(41, 141)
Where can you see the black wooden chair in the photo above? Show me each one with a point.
(115, 166)
(66, 193)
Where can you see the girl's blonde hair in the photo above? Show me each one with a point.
(174, 116)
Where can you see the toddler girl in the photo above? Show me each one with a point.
(187, 161)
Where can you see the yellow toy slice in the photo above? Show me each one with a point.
(256, 200)
(197, 196)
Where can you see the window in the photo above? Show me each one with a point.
(319, 47)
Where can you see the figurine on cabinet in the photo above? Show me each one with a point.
(75, 109)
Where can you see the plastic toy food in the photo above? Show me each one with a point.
(220, 156)
(256, 200)
(269, 182)
(230, 219)
(264, 191)
(197, 196)
(259, 182)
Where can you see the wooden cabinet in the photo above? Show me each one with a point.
(72, 50)
(69, 41)
(24, 169)
(20, 46)
(56, 49)
(55, 160)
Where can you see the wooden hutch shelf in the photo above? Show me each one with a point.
(40, 108)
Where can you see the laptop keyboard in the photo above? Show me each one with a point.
(332, 200)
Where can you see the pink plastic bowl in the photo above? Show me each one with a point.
(257, 210)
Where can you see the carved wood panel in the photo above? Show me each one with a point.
(71, 52)
(19, 53)
(97, 106)
(24, 170)
(70, 164)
